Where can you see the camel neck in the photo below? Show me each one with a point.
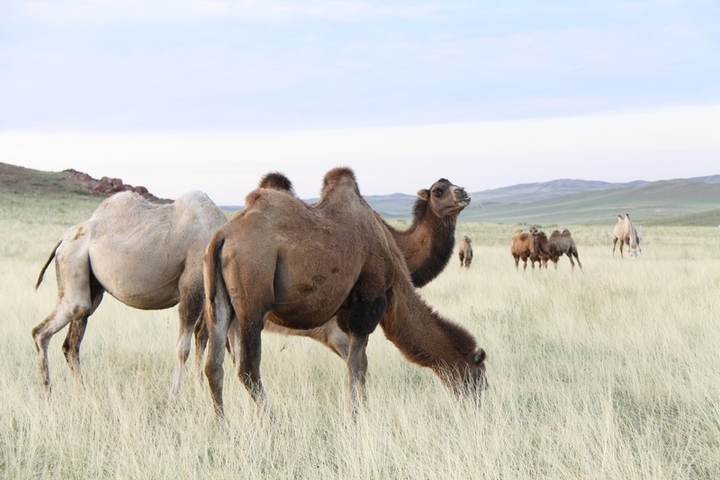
(422, 335)
(427, 245)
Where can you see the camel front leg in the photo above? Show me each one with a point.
(357, 370)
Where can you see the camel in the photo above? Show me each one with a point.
(305, 264)
(539, 253)
(465, 252)
(524, 246)
(427, 246)
(562, 243)
(146, 255)
(626, 233)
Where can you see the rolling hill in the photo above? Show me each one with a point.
(692, 201)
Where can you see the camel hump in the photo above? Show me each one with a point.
(340, 176)
(277, 181)
(566, 233)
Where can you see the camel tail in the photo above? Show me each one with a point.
(214, 282)
(47, 264)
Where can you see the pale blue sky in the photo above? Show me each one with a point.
(154, 75)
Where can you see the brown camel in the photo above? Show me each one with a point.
(626, 233)
(305, 264)
(427, 246)
(562, 243)
(465, 252)
(524, 246)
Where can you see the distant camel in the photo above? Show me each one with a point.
(427, 246)
(626, 233)
(562, 243)
(304, 264)
(524, 246)
(465, 252)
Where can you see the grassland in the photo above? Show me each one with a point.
(607, 373)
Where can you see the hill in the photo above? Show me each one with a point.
(693, 201)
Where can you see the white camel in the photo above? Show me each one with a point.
(148, 256)
(626, 233)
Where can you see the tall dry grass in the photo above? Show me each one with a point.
(611, 372)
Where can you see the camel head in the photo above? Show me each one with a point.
(468, 375)
(444, 198)
(467, 239)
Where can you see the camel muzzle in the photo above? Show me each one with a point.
(461, 197)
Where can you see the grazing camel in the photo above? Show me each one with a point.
(626, 233)
(562, 243)
(304, 264)
(465, 252)
(146, 255)
(427, 246)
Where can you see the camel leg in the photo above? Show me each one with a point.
(76, 332)
(201, 340)
(357, 369)
(217, 331)
(190, 310)
(251, 325)
(359, 320)
(75, 304)
(621, 248)
(569, 255)
(578, 260)
(614, 243)
(517, 262)
(329, 334)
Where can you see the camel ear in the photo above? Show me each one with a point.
(480, 356)
(424, 194)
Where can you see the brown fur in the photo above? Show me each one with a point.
(304, 264)
(427, 246)
(562, 243)
(524, 246)
(429, 242)
(465, 252)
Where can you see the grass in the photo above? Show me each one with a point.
(606, 373)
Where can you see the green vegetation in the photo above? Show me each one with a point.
(606, 373)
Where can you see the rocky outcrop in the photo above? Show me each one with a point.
(107, 186)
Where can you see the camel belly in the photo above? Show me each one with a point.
(146, 292)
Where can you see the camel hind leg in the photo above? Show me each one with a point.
(190, 310)
(72, 264)
(76, 332)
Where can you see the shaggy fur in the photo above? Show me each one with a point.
(304, 264)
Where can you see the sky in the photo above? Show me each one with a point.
(210, 95)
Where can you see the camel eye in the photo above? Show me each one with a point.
(438, 192)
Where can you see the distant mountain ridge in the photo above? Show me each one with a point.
(692, 201)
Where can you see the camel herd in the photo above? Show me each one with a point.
(332, 271)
